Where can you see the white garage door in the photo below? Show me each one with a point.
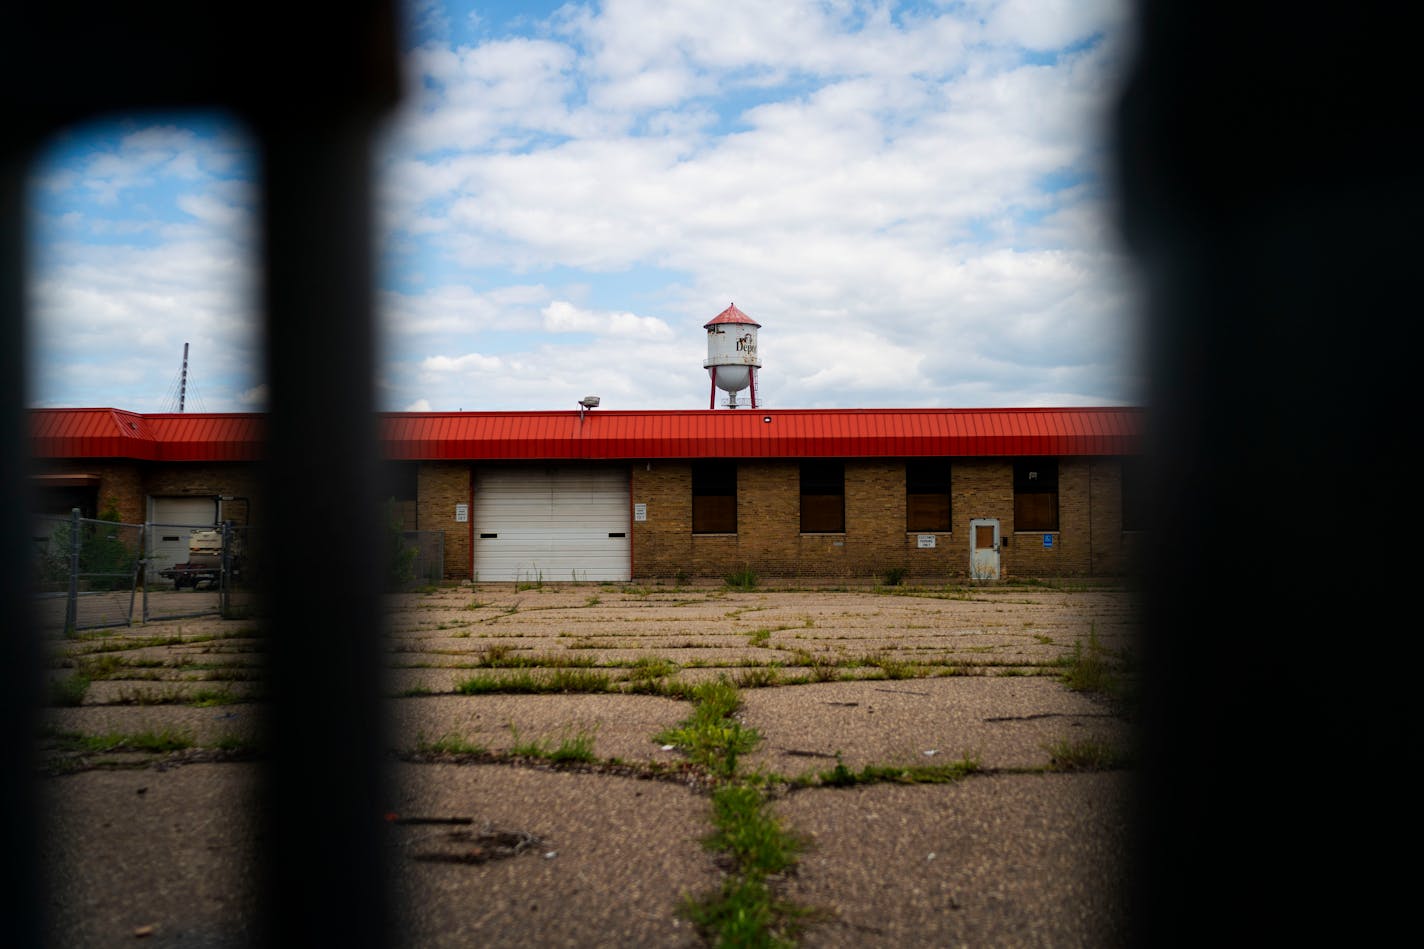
(172, 520)
(552, 524)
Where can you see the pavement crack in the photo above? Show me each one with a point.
(1038, 715)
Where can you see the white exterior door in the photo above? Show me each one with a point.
(552, 524)
(171, 521)
(984, 548)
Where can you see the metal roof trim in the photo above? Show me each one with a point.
(618, 435)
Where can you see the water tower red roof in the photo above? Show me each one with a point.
(730, 315)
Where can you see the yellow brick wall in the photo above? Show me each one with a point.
(235, 480)
(129, 483)
(1090, 540)
(441, 486)
(769, 541)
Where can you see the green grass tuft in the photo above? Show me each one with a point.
(449, 744)
(1085, 755)
(555, 680)
(743, 579)
(69, 691)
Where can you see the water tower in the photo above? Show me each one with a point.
(732, 355)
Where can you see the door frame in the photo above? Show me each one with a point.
(984, 562)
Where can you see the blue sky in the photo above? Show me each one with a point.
(912, 198)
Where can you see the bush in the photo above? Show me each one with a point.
(892, 576)
(400, 556)
(743, 579)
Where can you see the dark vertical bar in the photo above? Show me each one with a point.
(21, 902)
(71, 600)
(324, 794)
(1271, 193)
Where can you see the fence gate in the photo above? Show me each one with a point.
(86, 571)
(89, 573)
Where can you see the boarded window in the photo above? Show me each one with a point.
(927, 495)
(400, 479)
(1036, 494)
(822, 497)
(714, 497)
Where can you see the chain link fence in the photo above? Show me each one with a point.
(418, 558)
(86, 571)
(92, 574)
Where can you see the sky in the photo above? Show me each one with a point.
(914, 200)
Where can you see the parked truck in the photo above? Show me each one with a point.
(205, 561)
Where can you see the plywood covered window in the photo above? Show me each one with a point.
(401, 483)
(927, 495)
(1036, 494)
(822, 497)
(714, 497)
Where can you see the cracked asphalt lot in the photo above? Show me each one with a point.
(494, 843)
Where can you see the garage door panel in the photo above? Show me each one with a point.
(173, 520)
(551, 523)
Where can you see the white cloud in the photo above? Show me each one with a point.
(563, 317)
(910, 200)
(1052, 24)
(466, 364)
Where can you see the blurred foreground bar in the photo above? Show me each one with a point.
(311, 82)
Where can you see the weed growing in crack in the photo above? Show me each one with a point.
(575, 746)
(69, 691)
(162, 740)
(557, 680)
(892, 668)
(712, 737)
(647, 674)
(842, 777)
(1091, 669)
(744, 911)
(207, 698)
(497, 655)
(104, 666)
(823, 668)
(1085, 755)
(237, 744)
(757, 678)
(744, 831)
(449, 744)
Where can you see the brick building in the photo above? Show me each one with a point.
(603, 495)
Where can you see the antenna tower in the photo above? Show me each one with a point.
(183, 379)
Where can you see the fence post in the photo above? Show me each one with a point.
(138, 570)
(146, 538)
(225, 573)
(71, 603)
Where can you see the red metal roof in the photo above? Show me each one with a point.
(730, 315)
(610, 435)
(113, 433)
